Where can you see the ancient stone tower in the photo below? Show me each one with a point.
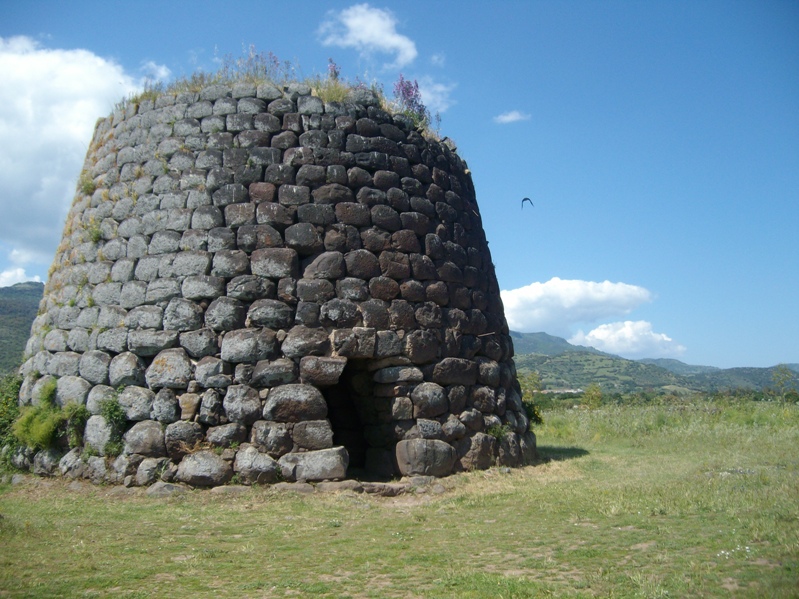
(277, 287)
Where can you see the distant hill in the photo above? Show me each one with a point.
(562, 365)
(577, 370)
(18, 306)
(548, 345)
(678, 367)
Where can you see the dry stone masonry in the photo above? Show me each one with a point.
(275, 288)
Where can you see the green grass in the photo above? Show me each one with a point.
(684, 500)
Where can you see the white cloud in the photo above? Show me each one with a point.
(630, 339)
(50, 100)
(557, 305)
(156, 72)
(12, 276)
(368, 30)
(511, 117)
(438, 60)
(436, 96)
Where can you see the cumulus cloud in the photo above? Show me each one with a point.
(368, 30)
(50, 100)
(558, 304)
(156, 72)
(630, 339)
(438, 60)
(436, 96)
(512, 116)
(12, 276)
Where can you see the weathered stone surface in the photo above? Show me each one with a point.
(226, 435)
(171, 368)
(72, 389)
(254, 467)
(455, 371)
(321, 371)
(295, 403)
(304, 341)
(313, 434)
(476, 452)
(94, 367)
(242, 404)
(213, 372)
(126, 369)
(271, 437)
(211, 408)
(323, 464)
(269, 373)
(204, 469)
(97, 433)
(145, 438)
(45, 462)
(149, 471)
(137, 402)
(248, 345)
(181, 437)
(429, 400)
(430, 457)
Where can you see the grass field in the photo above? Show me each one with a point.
(694, 499)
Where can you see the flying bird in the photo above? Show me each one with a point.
(527, 200)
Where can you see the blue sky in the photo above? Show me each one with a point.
(659, 142)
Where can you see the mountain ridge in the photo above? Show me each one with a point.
(563, 365)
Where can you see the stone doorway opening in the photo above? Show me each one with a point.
(346, 417)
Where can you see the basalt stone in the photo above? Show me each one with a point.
(295, 403)
(180, 437)
(272, 437)
(255, 467)
(204, 469)
(170, 368)
(137, 402)
(322, 464)
(145, 438)
(428, 457)
(297, 269)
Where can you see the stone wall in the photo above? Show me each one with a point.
(276, 287)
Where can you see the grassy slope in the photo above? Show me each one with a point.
(686, 500)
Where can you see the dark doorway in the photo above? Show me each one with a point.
(345, 420)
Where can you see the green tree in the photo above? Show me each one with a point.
(784, 380)
(592, 398)
(530, 383)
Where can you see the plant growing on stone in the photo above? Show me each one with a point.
(86, 184)
(117, 418)
(409, 101)
(332, 88)
(498, 431)
(75, 416)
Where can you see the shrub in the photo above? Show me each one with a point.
(38, 426)
(530, 383)
(117, 419)
(498, 431)
(75, 417)
(9, 410)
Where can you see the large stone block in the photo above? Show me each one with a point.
(324, 464)
(295, 403)
(429, 457)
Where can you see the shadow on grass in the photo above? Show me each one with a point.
(547, 453)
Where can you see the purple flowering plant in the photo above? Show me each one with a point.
(409, 98)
